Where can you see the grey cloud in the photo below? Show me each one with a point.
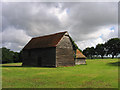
(13, 46)
(32, 17)
(90, 17)
(35, 19)
(14, 39)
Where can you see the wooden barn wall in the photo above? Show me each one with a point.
(79, 61)
(39, 57)
(64, 52)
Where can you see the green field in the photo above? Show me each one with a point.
(96, 74)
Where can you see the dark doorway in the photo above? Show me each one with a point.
(39, 61)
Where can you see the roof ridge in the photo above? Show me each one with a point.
(49, 35)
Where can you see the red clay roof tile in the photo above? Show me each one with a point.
(79, 54)
(45, 41)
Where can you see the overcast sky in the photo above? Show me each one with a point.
(88, 23)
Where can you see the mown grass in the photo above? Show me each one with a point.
(96, 74)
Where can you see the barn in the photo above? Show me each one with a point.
(80, 58)
(52, 50)
(49, 51)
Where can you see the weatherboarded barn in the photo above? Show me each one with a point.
(80, 58)
(51, 51)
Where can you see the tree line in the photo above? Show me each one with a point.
(111, 47)
(9, 56)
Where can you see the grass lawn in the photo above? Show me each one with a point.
(96, 74)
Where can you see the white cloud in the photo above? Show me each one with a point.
(14, 39)
(100, 36)
(89, 43)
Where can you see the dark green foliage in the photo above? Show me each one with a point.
(113, 47)
(75, 47)
(16, 57)
(100, 50)
(89, 52)
(9, 56)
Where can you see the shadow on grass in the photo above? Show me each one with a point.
(12, 66)
(26, 66)
(114, 64)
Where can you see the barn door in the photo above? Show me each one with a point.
(39, 61)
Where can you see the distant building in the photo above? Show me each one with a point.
(80, 58)
(49, 51)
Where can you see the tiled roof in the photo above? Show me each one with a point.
(45, 41)
(79, 54)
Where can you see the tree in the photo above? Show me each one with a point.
(89, 52)
(9, 56)
(16, 57)
(85, 52)
(113, 47)
(100, 50)
(92, 52)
